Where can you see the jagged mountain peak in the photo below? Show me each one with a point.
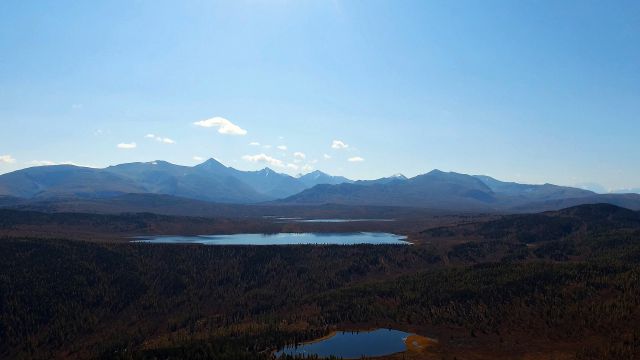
(398, 176)
(210, 163)
(269, 171)
(317, 173)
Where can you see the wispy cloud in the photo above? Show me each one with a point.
(161, 139)
(292, 166)
(7, 159)
(224, 126)
(51, 163)
(299, 155)
(198, 158)
(42, 163)
(254, 143)
(263, 158)
(307, 168)
(326, 156)
(355, 159)
(282, 147)
(337, 144)
(127, 146)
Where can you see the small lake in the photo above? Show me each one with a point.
(281, 239)
(353, 345)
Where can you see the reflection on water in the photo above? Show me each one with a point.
(281, 239)
(353, 345)
(332, 220)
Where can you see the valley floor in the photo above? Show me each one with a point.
(562, 285)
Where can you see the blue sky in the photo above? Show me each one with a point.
(530, 91)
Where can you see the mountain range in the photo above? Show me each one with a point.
(454, 191)
(212, 181)
(209, 181)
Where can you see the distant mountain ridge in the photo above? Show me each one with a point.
(318, 177)
(454, 191)
(208, 181)
(435, 189)
(211, 181)
(533, 192)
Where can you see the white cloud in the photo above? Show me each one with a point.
(299, 155)
(161, 139)
(282, 147)
(292, 166)
(51, 163)
(263, 158)
(266, 146)
(198, 158)
(307, 168)
(7, 159)
(254, 143)
(224, 126)
(42, 163)
(127, 146)
(337, 144)
(355, 159)
(327, 156)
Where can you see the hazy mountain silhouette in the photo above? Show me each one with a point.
(318, 177)
(384, 180)
(627, 191)
(65, 180)
(209, 181)
(453, 191)
(212, 181)
(435, 189)
(271, 183)
(533, 192)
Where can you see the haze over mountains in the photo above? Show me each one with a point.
(209, 181)
(453, 191)
(212, 181)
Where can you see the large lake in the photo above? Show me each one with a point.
(353, 345)
(281, 239)
(301, 220)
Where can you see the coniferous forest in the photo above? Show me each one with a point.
(563, 284)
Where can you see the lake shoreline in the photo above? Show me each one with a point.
(282, 238)
(410, 342)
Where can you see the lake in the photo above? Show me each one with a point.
(281, 239)
(354, 345)
(300, 220)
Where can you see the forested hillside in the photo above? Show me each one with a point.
(486, 294)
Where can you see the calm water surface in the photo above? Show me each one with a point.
(281, 239)
(300, 220)
(353, 345)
